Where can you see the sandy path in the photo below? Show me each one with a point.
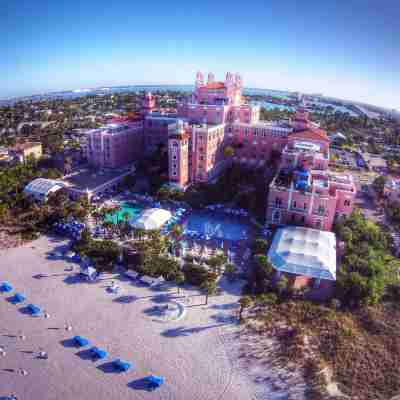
(195, 355)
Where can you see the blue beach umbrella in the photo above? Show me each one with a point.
(98, 353)
(155, 381)
(81, 341)
(18, 298)
(34, 310)
(122, 366)
(6, 287)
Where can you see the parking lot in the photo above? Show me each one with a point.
(346, 159)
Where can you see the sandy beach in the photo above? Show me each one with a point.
(198, 354)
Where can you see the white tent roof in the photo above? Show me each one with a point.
(304, 251)
(41, 186)
(152, 218)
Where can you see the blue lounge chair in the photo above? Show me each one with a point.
(34, 310)
(18, 298)
(154, 381)
(98, 353)
(81, 341)
(122, 366)
(6, 287)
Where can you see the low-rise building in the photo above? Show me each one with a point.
(307, 256)
(39, 189)
(23, 151)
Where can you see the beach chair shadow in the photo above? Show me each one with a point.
(68, 343)
(86, 355)
(160, 298)
(139, 384)
(11, 299)
(74, 279)
(127, 299)
(109, 368)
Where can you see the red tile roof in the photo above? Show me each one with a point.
(215, 85)
(311, 134)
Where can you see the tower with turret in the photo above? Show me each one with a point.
(149, 103)
(178, 155)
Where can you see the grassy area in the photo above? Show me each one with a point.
(360, 348)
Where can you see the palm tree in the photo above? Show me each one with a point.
(179, 280)
(245, 302)
(210, 287)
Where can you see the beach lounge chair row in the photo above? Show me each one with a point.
(153, 381)
(147, 280)
(19, 298)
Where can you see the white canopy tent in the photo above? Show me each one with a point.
(304, 251)
(152, 218)
(40, 188)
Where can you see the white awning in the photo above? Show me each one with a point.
(152, 218)
(304, 251)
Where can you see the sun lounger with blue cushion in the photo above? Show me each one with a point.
(34, 310)
(81, 341)
(122, 366)
(98, 353)
(6, 287)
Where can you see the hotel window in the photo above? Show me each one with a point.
(305, 206)
(347, 203)
(294, 204)
(278, 202)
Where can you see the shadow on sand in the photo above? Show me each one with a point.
(68, 343)
(13, 300)
(139, 384)
(182, 331)
(127, 299)
(74, 279)
(86, 355)
(109, 368)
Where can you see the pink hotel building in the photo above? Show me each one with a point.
(303, 192)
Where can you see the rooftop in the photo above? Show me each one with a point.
(87, 179)
(304, 251)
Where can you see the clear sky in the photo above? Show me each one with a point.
(343, 48)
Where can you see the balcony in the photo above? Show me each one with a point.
(320, 213)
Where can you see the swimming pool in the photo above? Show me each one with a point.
(132, 209)
(217, 226)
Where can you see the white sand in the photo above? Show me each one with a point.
(202, 364)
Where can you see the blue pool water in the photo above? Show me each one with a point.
(217, 225)
(132, 209)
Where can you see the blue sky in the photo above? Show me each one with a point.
(342, 48)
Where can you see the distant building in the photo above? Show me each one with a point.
(307, 256)
(116, 144)
(24, 150)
